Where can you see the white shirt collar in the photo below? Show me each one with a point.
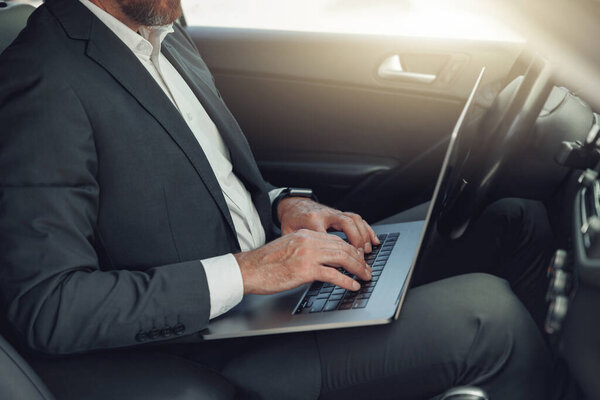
(145, 44)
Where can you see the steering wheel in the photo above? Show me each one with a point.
(505, 129)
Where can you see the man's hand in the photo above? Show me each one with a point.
(300, 213)
(301, 257)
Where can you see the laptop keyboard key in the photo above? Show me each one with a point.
(318, 305)
(350, 295)
(361, 303)
(331, 305)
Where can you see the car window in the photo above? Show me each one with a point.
(465, 19)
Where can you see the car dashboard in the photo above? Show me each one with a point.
(574, 272)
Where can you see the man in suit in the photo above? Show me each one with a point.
(132, 212)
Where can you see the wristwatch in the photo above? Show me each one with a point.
(290, 192)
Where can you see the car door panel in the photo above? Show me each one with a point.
(319, 112)
(331, 175)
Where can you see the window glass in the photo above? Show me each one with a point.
(466, 19)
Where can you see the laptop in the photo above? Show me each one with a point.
(319, 305)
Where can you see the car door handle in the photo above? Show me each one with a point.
(391, 69)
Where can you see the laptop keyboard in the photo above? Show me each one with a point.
(324, 296)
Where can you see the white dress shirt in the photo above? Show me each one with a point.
(223, 273)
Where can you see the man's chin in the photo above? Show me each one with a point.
(170, 14)
(152, 12)
(161, 20)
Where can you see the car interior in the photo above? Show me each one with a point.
(364, 121)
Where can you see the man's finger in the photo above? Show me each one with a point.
(346, 260)
(334, 243)
(346, 224)
(341, 244)
(374, 239)
(331, 275)
(360, 224)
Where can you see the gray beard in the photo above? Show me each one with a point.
(147, 12)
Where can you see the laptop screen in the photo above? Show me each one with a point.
(449, 165)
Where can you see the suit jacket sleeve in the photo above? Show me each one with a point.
(58, 297)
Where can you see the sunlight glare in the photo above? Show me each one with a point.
(454, 19)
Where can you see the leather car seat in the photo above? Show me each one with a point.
(17, 379)
(13, 17)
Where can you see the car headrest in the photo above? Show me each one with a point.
(13, 18)
(17, 379)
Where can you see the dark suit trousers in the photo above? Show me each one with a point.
(466, 330)
(512, 239)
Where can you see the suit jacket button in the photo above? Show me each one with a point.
(166, 332)
(154, 333)
(141, 336)
(179, 329)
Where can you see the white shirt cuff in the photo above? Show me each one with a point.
(274, 193)
(225, 283)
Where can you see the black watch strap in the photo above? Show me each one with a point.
(290, 192)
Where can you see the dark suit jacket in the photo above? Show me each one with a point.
(107, 201)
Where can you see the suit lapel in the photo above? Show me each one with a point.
(241, 154)
(113, 55)
(242, 159)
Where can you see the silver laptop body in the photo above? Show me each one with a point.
(289, 311)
